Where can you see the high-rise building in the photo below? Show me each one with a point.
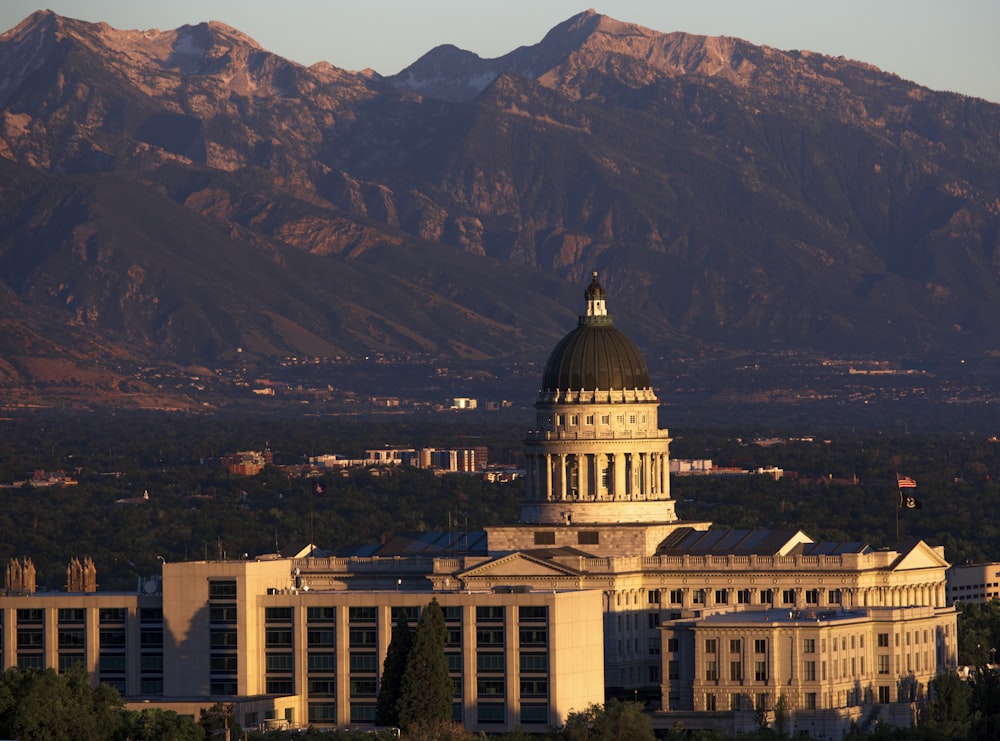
(599, 588)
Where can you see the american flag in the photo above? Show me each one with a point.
(905, 482)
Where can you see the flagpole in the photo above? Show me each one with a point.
(899, 495)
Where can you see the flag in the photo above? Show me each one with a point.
(905, 482)
(318, 488)
(906, 502)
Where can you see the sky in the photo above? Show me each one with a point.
(943, 45)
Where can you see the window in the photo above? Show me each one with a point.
(735, 671)
(809, 645)
(274, 614)
(490, 687)
(743, 597)
(489, 638)
(883, 695)
(760, 671)
(222, 639)
(809, 671)
(810, 700)
(721, 597)
(711, 670)
(882, 640)
(492, 613)
(710, 702)
(531, 662)
(674, 669)
(363, 662)
(788, 596)
(590, 419)
(654, 596)
(222, 614)
(654, 619)
(222, 590)
(71, 614)
(224, 664)
(710, 645)
(275, 638)
(698, 597)
(151, 663)
(767, 596)
(760, 646)
(112, 638)
(735, 646)
(111, 614)
(322, 687)
(320, 614)
(676, 597)
(361, 614)
(279, 662)
(834, 597)
(673, 645)
(534, 688)
(883, 664)
(812, 596)
(588, 537)
(654, 646)
(316, 638)
(363, 687)
(532, 613)
(321, 663)
(545, 537)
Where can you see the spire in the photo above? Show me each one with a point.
(595, 298)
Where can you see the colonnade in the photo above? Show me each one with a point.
(598, 476)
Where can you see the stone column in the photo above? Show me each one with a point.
(548, 477)
(619, 485)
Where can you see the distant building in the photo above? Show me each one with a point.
(974, 582)
(246, 462)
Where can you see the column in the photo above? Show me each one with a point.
(619, 485)
(583, 475)
(548, 477)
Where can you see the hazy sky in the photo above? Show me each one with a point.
(952, 45)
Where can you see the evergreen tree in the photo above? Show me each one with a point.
(427, 690)
(391, 686)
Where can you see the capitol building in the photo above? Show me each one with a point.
(600, 588)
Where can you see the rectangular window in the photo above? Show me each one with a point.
(883, 664)
(882, 640)
(735, 671)
(71, 614)
(492, 638)
(318, 663)
(363, 662)
(767, 596)
(788, 596)
(532, 613)
(277, 638)
(322, 687)
(883, 695)
(68, 661)
(363, 687)
(760, 671)
(493, 688)
(490, 713)
(111, 663)
(222, 589)
(151, 663)
(810, 700)
(534, 688)
(534, 714)
(320, 614)
(322, 712)
(150, 638)
(760, 646)
(319, 637)
(275, 614)
(653, 619)
(673, 669)
(361, 614)
(834, 597)
(279, 686)
(223, 639)
(735, 646)
(588, 537)
(721, 597)
(809, 645)
(225, 664)
(545, 537)
(111, 614)
(743, 597)
(809, 671)
(533, 638)
(710, 702)
(529, 662)
(490, 613)
(711, 670)
(676, 597)
(222, 614)
(710, 646)
(812, 596)
(279, 663)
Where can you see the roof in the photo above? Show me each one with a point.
(745, 542)
(431, 543)
(595, 355)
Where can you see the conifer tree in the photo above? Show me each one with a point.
(391, 686)
(427, 688)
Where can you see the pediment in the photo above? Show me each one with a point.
(920, 556)
(518, 564)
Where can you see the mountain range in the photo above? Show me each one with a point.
(185, 198)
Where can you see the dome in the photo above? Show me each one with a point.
(595, 355)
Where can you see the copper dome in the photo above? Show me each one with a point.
(595, 355)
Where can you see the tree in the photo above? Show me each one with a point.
(154, 724)
(947, 715)
(41, 704)
(391, 686)
(615, 721)
(426, 696)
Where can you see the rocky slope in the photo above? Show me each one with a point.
(187, 196)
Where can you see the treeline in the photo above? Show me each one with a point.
(196, 510)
